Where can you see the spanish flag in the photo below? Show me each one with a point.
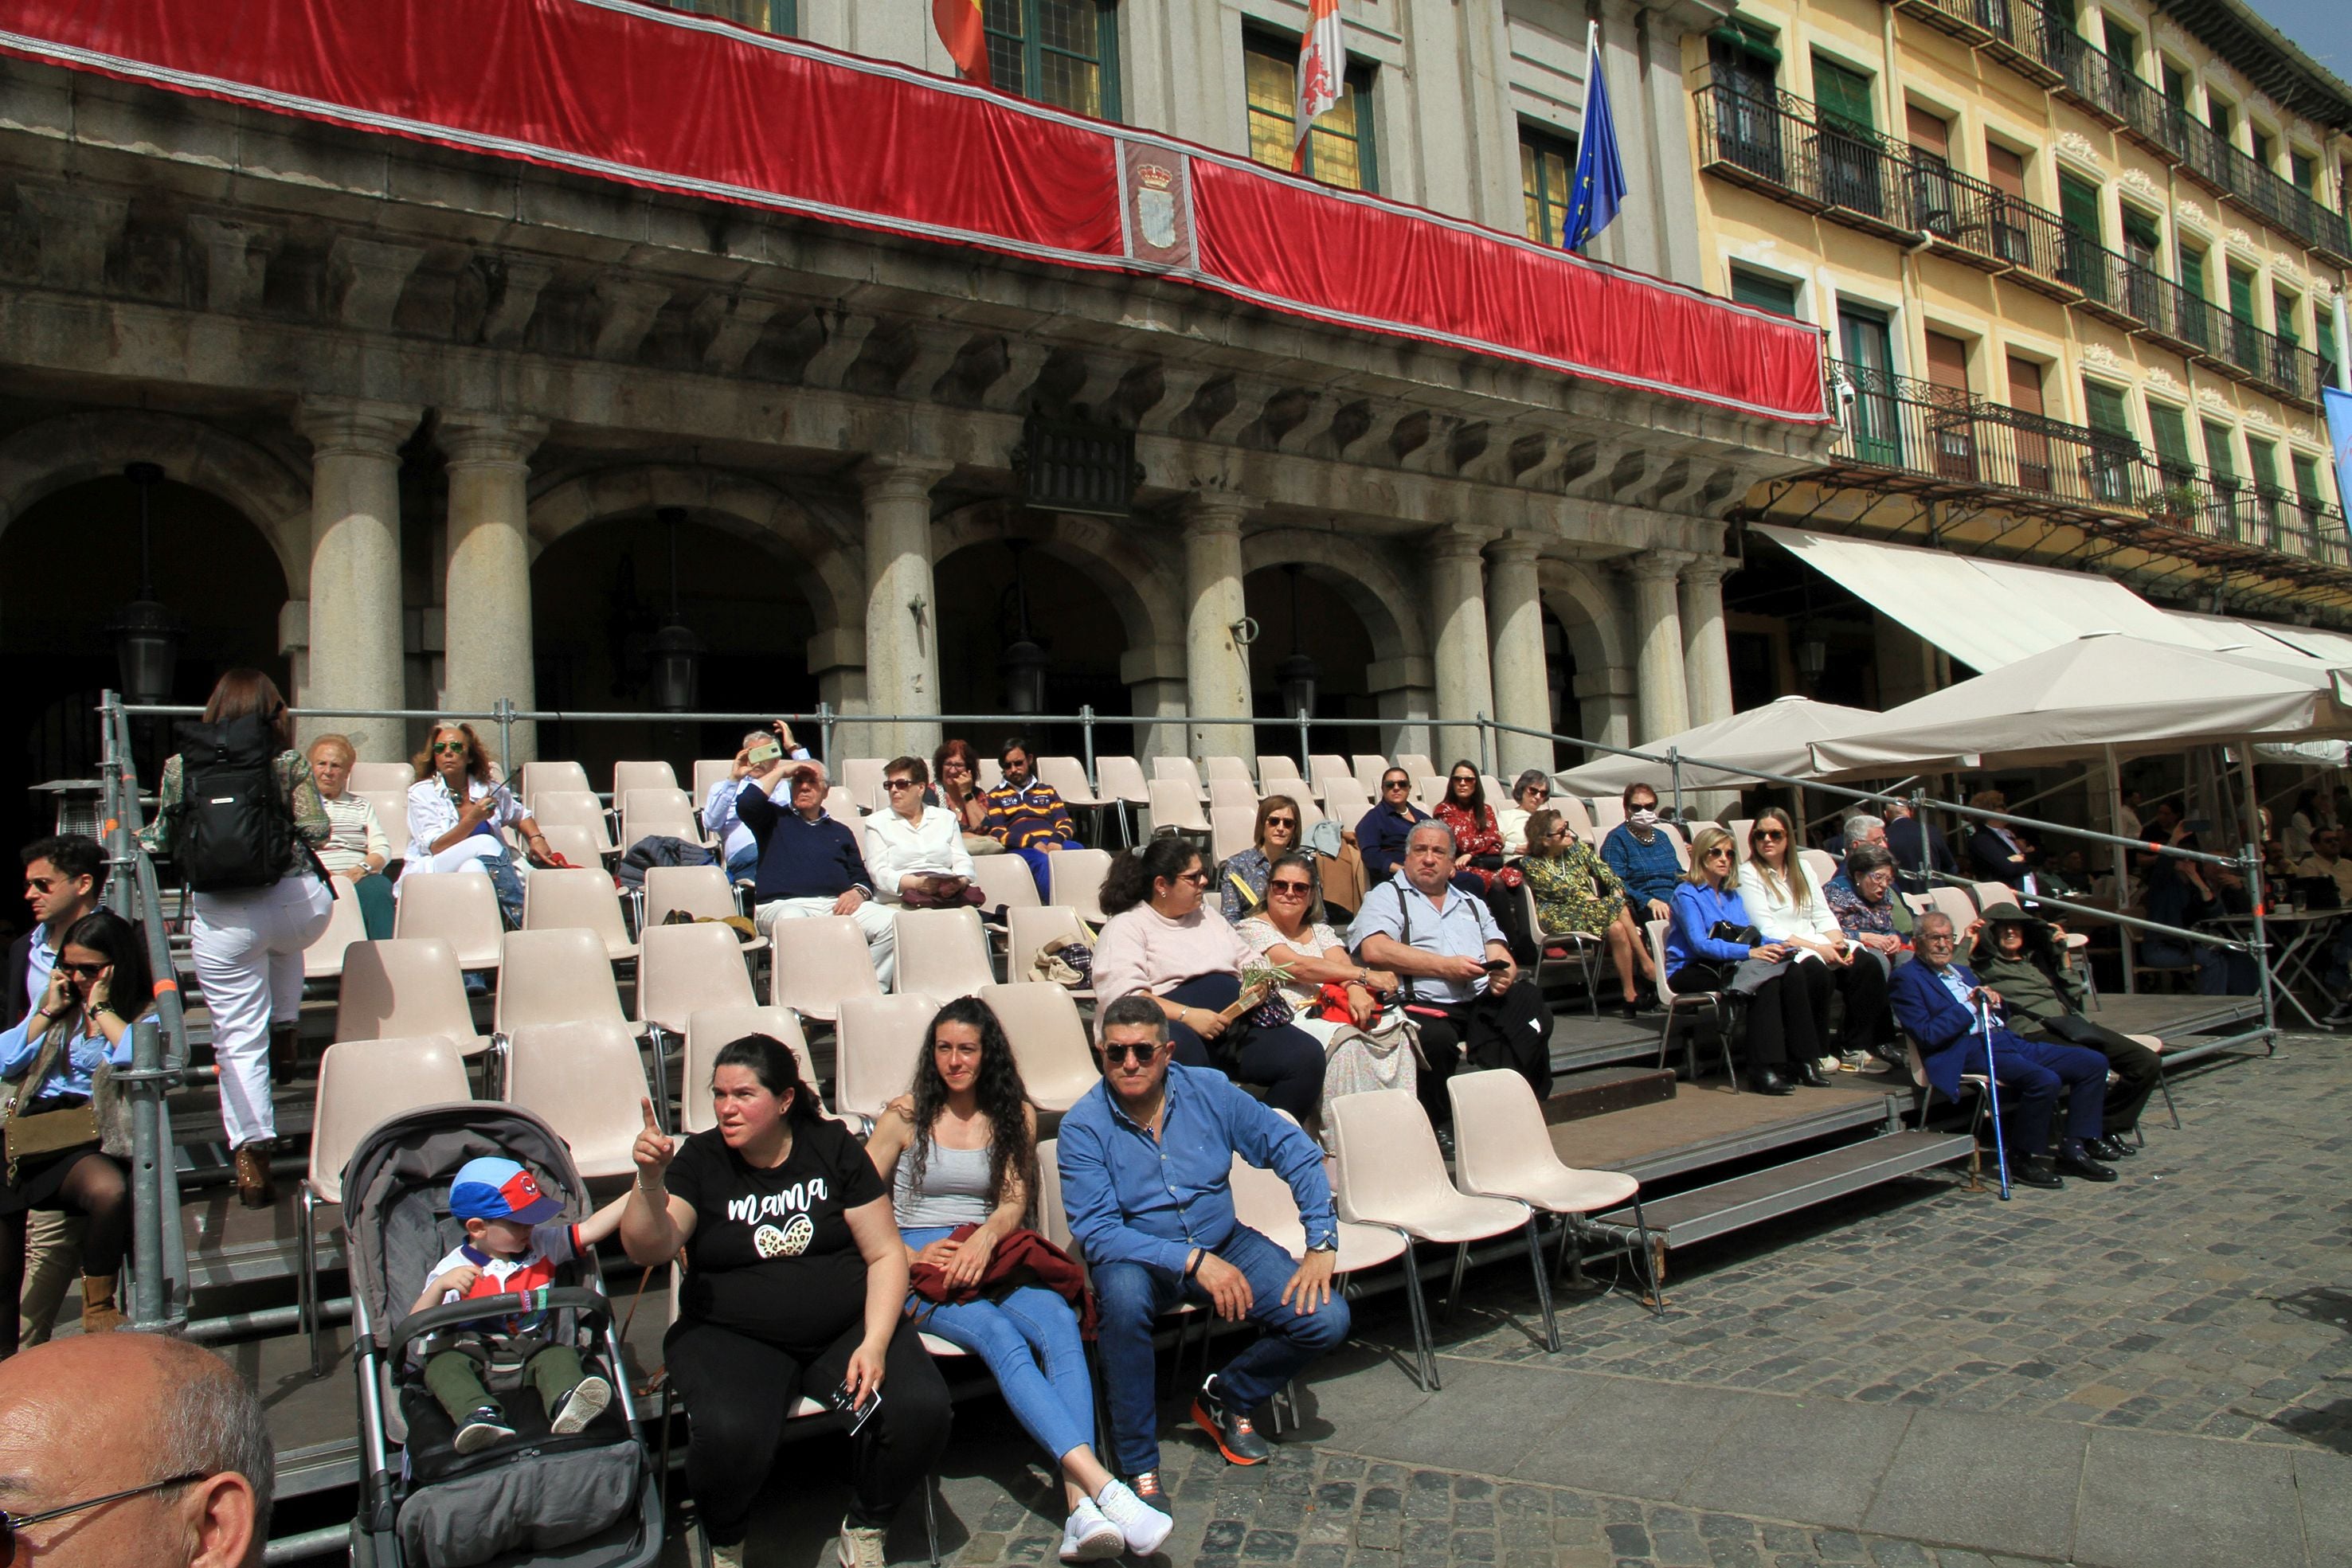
(958, 23)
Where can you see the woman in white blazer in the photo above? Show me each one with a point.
(1787, 907)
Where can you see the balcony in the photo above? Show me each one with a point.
(2042, 45)
(1783, 146)
(1901, 433)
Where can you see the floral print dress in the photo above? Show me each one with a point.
(1575, 891)
(1473, 838)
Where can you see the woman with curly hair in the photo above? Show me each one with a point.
(1477, 837)
(455, 812)
(960, 1149)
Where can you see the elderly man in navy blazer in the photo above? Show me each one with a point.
(1935, 1001)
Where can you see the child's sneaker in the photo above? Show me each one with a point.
(483, 1427)
(580, 1407)
(1088, 1537)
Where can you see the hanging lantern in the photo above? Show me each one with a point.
(1296, 676)
(1022, 666)
(676, 653)
(146, 633)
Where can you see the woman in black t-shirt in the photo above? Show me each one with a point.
(795, 1283)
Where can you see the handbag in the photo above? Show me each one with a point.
(99, 1120)
(1066, 963)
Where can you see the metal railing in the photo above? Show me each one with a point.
(1825, 163)
(2041, 42)
(1915, 427)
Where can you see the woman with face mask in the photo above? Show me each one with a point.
(1641, 852)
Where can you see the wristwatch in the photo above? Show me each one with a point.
(1328, 1244)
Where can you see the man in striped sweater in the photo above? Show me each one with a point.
(1028, 816)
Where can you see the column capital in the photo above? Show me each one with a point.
(1515, 550)
(1457, 541)
(355, 426)
(480, 440)
(899, 478)
(1707, 570)
(1215, 511)
(1655, 565)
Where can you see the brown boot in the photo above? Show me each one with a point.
(98, 1312)
(255, 1186)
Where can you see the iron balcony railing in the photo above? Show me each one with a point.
(2040, 43)
(1917, 428)
(2133, 291)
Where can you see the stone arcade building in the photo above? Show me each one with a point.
(413, 368)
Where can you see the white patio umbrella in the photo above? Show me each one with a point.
(1767, 739)
(2102, 690)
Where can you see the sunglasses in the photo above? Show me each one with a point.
(1722, 851)
(1768, 836)
(1282, 821)
(83, 971)
(10, 1523)
(1300, 888)
(1396, 784)
(1139, 1051)
(1197, 878)
(900, 784)
(448, 746)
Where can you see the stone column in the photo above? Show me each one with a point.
(488, 621)
(1216, 671)
(1522, 674)
(355, 620)
(1706, 654)
(1458, 602)
(1155, 680)
(1658, 634)
(902, 665)
(1604, 700)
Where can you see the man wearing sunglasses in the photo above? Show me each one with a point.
(1146, 1157)
(122, 1450)
(1381, 836)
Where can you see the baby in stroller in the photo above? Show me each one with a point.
(514, 1242)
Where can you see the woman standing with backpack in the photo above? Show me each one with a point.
(242, 819)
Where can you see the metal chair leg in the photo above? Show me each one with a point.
(2163, 1089)
(1543, 1287)
(1454, 1291)
(1648, 1260)
(307, 1279)
(1723, 1038)
(1418, 1309)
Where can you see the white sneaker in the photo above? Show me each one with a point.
(1142, 1526)
(719, 1556)
(861, 1547)
(1088, 1537)
(580, 1407)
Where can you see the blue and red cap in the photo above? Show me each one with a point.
(495, 1188)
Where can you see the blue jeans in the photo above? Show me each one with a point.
(744, 867)
(1029, 1337)
(1041, 864)
(1131, 1295)
(2218, 973)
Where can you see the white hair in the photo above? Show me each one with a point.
(1431, 826)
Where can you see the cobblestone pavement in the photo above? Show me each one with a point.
(2208, 1292)
(2054, 1341)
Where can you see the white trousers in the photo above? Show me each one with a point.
(873, 918)
(248, 950)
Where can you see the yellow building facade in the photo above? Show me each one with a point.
(2079, 272)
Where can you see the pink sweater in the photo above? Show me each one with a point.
(1143, 950)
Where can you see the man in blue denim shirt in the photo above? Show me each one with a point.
(1145, 1161)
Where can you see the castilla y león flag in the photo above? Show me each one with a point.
(959, 28)
(1322, 70)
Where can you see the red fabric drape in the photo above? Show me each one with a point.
(685, 103)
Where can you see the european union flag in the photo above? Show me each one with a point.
(1600, 183)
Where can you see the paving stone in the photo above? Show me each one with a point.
(2183, 1503)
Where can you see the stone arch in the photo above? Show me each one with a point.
(1390, 610)
(829, 572)
(1586, 609)
(48, 456)
(1138, 580)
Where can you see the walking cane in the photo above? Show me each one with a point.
(1993, 1089)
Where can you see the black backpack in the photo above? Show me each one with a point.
(230, 831)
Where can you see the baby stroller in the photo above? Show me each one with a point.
(587, 1500)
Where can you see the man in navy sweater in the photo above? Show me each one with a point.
(810, 866)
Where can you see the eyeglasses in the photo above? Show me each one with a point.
(439, 746)
(1396, 784)
(1929, 940)
(10, 1523)
(1138, 1051)
(900, 784)
(1768, 835)
(43, 883)
(82, 971)
(1300, 888)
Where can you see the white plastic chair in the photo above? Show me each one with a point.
(386, 778)
(408, 988)
(323, 959)
(1502, 1148)
(665, 811)
(1389, 1171)
(1323, 766)
(1279, 775)
(1232, 768)
(1120, 781)
(1677, 1003)
(555, 976)
(1416, 764)
(1230, 828)
(575, 844)
(1608, 812)
(1179, 770)
(1067, 775)
(459, 907)
(1048, 1040)
(875, 1043)
(1368, 767)
(1584, 949)
(1004, 880)
(709, 770)
(862, 776)
(361, 1082)
(702, 891)
(817, 963)
(943, 953)
(683, 968)
(1175, 809)
(587, 1082)
(1820, 865)
(708, 1030)
(578, 807)
(544, 776)
(569, 897)
(1075, 879)
(1231, 794)
(628, 776)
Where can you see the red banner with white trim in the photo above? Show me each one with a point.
(691, 104)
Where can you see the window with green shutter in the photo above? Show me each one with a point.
(2262, 466)
(1763, 291)
(1062, 52)
(2283, 307)
(2221, 461)
(2169, 426)
(2078, 208)
(2104, 411)
(1843, 93)
(2241, 294)
(2306, 484)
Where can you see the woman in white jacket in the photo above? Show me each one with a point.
(916, 851)
(1787, 907)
